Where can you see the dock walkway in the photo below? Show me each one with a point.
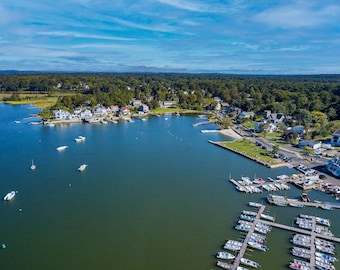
(236, 262)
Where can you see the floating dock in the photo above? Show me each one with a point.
(312, 260)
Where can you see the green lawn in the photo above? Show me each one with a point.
(251, 150)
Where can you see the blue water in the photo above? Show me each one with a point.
(155, 195)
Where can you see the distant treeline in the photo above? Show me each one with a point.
(284, 94)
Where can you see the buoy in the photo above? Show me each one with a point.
(3, 246)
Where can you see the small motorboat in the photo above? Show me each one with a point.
(9, 196)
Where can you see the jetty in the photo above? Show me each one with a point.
(202, 123)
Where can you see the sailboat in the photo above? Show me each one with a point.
(33, 167)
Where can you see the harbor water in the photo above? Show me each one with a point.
(155, 195)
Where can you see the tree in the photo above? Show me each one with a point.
(303, 116)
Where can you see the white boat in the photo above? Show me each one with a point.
(255, 204)
(80, 139)
(9, 196)
(249, 263)
(33, 167)
(225, 255)
(61, 148)
(82, 167)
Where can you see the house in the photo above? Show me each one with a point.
(245, 115)
(136, 102)
(276, 118)
(125, 110)
(167, 103)
(333, 166)
(314, 145)
(264, 125)
(61, 114)
(298, 129)
(85, 114)
(143, 108)
(217, 99)
(335, 139)
(99, 110)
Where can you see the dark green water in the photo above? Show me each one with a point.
(155, 195)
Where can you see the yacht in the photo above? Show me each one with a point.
(9, 196)
(61, 148)
(82, 167)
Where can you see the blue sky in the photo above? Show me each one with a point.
(236, 36)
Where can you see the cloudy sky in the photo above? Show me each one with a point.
(226, 36)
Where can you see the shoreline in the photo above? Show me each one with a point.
(227, 132)
(272, 166)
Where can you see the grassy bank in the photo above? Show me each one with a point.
(250, 150)
(38, 102)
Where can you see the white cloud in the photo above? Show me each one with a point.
(82, 35)
(301, 14)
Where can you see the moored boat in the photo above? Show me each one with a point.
(33, 167)
(9, 196)
(61, 148)
(225, 255)
(82, 167)
(250, 263)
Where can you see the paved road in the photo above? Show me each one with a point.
(294, 153)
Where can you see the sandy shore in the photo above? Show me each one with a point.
(228, 132)
(231, 133)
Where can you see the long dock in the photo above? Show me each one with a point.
(240, 254)
(302, 231)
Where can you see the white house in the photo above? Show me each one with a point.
(99, 110)
(61, 114)
(85, 114)
(143, 108)
(167, 103)
(335, 139)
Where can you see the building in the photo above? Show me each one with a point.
(167, 104)
(314, 145)
(61, 114)
(333, 166)
(143, 108)
(335, 139)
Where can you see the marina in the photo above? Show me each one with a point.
(313, 240)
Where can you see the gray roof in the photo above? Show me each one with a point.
(336, 133)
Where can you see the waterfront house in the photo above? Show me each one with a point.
(335, 139)
(61, 114)
(124, 110)
(85, 114)
(99, 110)
(333, 166)
(143, 108)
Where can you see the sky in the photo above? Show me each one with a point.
(185, 36)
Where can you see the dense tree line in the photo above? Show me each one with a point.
(298, 96)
